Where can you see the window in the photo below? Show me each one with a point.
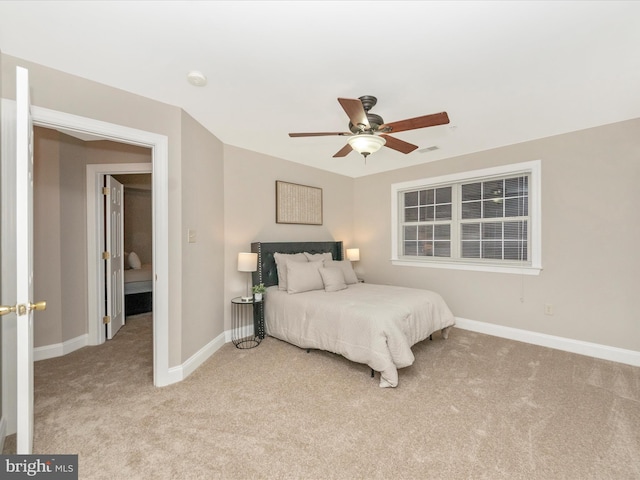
(482, 220)
(427, 222)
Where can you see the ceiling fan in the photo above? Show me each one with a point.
(368, 132)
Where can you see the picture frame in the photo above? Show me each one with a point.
(298, 204)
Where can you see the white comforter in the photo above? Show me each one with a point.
(366, 323)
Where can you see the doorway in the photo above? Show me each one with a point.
(159, 166)
(95, 238)
(136, 248)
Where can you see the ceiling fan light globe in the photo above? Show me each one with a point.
(366, 144)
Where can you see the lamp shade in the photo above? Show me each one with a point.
(366, 144)
(247, 262)
(353, 254)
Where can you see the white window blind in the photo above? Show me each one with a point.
(487, 218)
(494, 219)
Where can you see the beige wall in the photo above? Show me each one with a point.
(138, 224)
(138, 215)
(73, 240)
(250, 212)
(47, 236)
(203, 212)
(590, 237)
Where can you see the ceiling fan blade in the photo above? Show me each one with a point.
(355, 111)
(320, 134)
(346, 150)
(399, 145)
(413, 123)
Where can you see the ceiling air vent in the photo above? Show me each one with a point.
(429, 149)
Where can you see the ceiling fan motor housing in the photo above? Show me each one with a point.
(374, 121)
(368, 102)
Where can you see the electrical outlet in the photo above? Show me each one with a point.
(548, 309)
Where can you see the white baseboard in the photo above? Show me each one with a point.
(605, 352)
(179, 373)
(60, 349)
(175, 374)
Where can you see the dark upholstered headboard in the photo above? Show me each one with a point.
(267, 272)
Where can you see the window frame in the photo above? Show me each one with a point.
(533, 267)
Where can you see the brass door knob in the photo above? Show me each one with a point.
(4, 309)
(22, 309)
(38, 306)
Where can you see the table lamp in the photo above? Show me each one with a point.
(353, 254)
(247, 262)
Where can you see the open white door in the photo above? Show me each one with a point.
(114, 245)
(24, 263)
(21, 272)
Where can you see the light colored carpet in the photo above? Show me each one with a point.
(471, 407)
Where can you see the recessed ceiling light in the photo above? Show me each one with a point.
(197, 78)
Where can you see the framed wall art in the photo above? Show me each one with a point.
(299, 204)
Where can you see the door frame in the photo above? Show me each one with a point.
(95, 234)
(159, 145)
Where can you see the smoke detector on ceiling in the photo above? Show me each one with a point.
(197, 78)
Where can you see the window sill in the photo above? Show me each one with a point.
(518, 270)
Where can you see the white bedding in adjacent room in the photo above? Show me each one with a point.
(138, 280)
(366, 323)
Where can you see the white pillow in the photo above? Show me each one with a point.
(350, 276)
(304, 277)
(333, 279)
(281, 265)
(318, 257)
(134, 261)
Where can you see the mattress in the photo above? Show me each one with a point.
(138, 280)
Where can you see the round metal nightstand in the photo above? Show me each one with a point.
(247, 329)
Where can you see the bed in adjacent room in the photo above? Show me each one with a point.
(315, 301)
(138, 287)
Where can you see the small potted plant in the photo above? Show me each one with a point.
(258, 291)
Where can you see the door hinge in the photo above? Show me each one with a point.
(106, 319)
(106, 190)
(106, 255)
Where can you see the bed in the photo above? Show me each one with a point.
(138, 290)
(366, 323)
